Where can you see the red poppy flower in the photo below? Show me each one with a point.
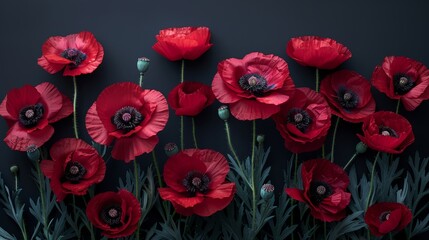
(130, 116)
(190, 98)
(116, 214)
(29, 111)
(402, 78)
(196, 182)
(77, 53)
(182, 43)
(349, 95)
(387, 132)
(75, 166)
(304, 121)
(313, 51)
(383, 218)
(324, 186)
(254, 86)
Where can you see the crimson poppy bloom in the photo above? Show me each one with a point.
(404, 79)
(182, 43)
(196, 182)
(116, 214)
(130, 117)
(325, 185)
(190, 98)
(319, 52)
(386, 217)
(304, 121)
(77, 54)
(29, 111)
(387, 132)
(254, 87)
(349, 95)
(75, 166)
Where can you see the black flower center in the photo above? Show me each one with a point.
(254, 83)
(29, 116)
(387, 131)
(196, 182)
(348, 99)
(318, 191)
(385, 216)
(112, 216)
(300, 118)
(127, 118)
(402, 83)
(74, 55)
(74, 172)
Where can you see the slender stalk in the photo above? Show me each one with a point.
(137, 192)
(317, 80)
(253, 175)
(74, 107)
(141, 79)
(182, 72)
(42, 199)
(231, 148)
(350, 161)
(16, 182)
(91, 227)
(371, 184)
(158, 173)
(397, 106)
(24, 231)
(333, 139)
(295, 181)
(193, 133)
(182, 138)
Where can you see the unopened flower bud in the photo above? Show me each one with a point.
(267, 191)
(223, 112)
(33, 153)
(14, 170)
(361, 148)
(260, 138)
(171, 149)
(143, 64)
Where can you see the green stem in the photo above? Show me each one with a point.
(295, 177)
(350, 161)
(42, 199)
(24, 231)
(371, 184)
(231, 148)
(158, 173)
(141, 79)
(137, 191)
(16, 182)
(317, 80)
(397, 106)
(333, 139)
(253, 175)
(182, 138)
(193, 133)
(74, 107)
(91, 227)
(182, 72)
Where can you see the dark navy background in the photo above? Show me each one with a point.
(127, 29)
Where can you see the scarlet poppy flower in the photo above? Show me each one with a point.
(182, 43)
(254, 86)
(404, 79)
(116, 214)
(196, 182)
(387, 132)
(319, 52)
(190, 98)
(304, 121)
(130, 117)
(75, 166)
(325, 185)
(77, 54)
(386, 217)
(349, 95)
(29, 111)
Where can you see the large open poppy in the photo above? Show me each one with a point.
(385, 217)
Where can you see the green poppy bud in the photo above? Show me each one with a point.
(33, 153)
(171, 149)
(223, 112)
(14, 170)
(361, 147)
(143, 64)
(267, 191)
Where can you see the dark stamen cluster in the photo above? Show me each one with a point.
(254, 83)
(348, 99)
(74, 55)
(387, 131)
(74, 172)
(112, 216)
(318, 191)
(385, 216)
(196, 182)
(402, 83)
(127, 118)
(29, 116)
(300, 118)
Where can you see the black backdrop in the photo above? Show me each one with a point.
(127, 29)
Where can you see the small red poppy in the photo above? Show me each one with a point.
(29, 111)
(182, 43)
(325, 185)
(386, 217)
(304, 121)
(349, 95)
(75, 166)
(196, 182)
(387, 132)
(404, 79)
(116, 214)
(190, 98)
(129, 116)
(77, 54)
(254, 86)
(319, 52)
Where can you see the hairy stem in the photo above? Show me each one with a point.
(350, 161)
(333, 139)
(194, 136)
(253, 175)
(371, 183)
(74, 107)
